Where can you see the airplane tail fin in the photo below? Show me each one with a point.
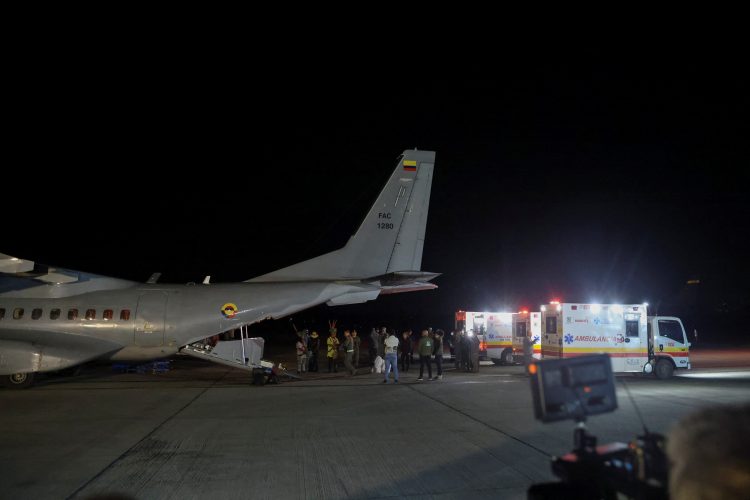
(391, 236)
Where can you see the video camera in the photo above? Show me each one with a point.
(575, 388)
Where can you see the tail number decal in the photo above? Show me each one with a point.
(384, 216)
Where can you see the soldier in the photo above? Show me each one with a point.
(425, 351)
(357, 342)
(348, 352)
(381, 342)
(333, 346)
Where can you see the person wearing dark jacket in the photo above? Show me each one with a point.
(474, 353)
(406, 351)
(425, 349)
(313, 346)
(439, 354)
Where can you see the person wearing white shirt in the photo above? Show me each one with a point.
(391, 357)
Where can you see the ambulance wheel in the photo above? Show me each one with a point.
(497, 361)
(19, 380)
(664, 369)
(508, 357)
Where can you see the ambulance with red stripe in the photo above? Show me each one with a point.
(473, 323)
(499, 337)
(636, 342)
(494, 331)
(527, 324)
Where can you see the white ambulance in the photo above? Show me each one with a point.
(635, 342)
(494, 331)
(498, 339)
(527, 324)
(473, 323)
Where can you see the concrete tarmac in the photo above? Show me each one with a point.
(202, 431)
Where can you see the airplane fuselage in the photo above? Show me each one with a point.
(145, 321)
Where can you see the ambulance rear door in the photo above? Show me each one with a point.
(536, 333)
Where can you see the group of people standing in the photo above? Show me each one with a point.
(398, 352)
(394, 351)
(308, 349)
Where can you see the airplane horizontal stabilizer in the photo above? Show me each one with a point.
(413, 287)
(354, 298)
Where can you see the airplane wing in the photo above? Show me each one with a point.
(27, 279)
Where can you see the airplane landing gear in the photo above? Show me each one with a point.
(18, 380)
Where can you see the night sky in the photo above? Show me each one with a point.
(578, 183)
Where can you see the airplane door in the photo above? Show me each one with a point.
(149, 319)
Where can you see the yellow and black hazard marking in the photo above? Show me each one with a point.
(229, 310)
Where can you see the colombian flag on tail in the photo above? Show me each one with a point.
(410, 165)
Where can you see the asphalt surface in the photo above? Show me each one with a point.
(202, 431)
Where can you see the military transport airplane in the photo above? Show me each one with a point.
(52, 318)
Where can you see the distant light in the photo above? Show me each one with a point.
(595, 308)
(543, 308)
(559, 307)
(532, 369)
(693, 282)
(14, 259)
(524, 311)
(554, 301)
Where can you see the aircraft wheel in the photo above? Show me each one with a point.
(19, 380)
(664, 369)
